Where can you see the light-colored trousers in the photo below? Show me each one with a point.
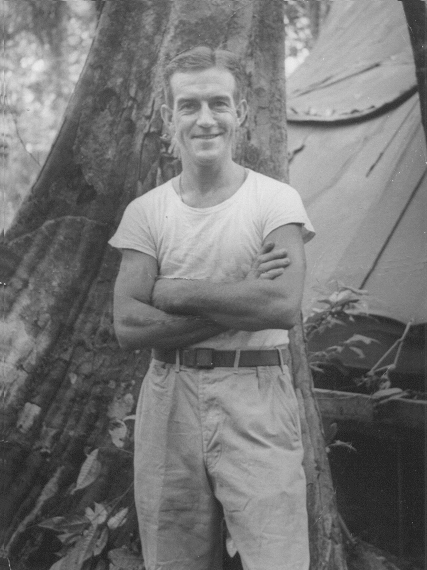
(220, 442)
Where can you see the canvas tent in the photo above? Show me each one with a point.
(358, 157)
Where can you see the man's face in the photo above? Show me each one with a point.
(204, 116)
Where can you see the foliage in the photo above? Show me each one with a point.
(302, 20)
(342, 305)
(84, 538)
(88, 538)
(377, 379)
(46, 43)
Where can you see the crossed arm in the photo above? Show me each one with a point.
(170, 313)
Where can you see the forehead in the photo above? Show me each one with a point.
(205, 83)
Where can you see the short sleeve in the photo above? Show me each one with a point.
(134, 229)
(284, 206)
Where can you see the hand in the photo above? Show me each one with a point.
(269, 262)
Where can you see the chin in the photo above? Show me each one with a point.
(207, 158)
(210, 156)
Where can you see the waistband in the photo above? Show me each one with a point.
(211, 358)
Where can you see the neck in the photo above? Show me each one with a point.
(199, 182)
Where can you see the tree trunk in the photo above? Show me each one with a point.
(58, 50)
(66, 378)
(326, 548)
(416, 17)
(314, 8)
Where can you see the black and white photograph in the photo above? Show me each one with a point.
(213, 280)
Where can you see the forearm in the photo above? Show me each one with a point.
(268, 298)
(139, 325)
(245, 305)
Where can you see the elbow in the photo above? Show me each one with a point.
(291, 319)
(125, 338)
(283, 316)
(281, 308)
(130, 326)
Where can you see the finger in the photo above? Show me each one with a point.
(266, 247)
(275, 264)
(272, 274)
(275, 254)
(279, 252)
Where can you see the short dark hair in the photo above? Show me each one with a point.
(201, 58)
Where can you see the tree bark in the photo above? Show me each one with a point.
(314, 8)
(66, 377)
(326, 547)
(416, 17)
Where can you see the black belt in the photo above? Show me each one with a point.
(210, 358)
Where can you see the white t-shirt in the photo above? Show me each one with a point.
(217, 243)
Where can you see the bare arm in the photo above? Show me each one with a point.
(252, 304)
(138, 324)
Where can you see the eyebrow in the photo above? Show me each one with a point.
(185, 99)
(224, 97)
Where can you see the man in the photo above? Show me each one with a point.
(211, 279)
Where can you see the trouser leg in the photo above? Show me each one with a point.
(178, 515)
(259, 478)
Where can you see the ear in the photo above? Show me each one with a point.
(167, 113)
(242, 111)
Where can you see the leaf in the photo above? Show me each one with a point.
(98, 515)
(359, 380)
(345, 444)
(335, 321)
(58, 565)
(76, 523)
(73, 377)
(63, 551)
(361, 338)
(316, 368)
(387, 393)
(358, 351)
(54, 523)
(89, 471)
(118, 519)
(69, 537)
(355, 290)
(330, 432)
(123, 559)
(121, 407)
(101, 541)
(82, 551)
(341, 297)
(28, 416)
(118, 432)
(230, 545)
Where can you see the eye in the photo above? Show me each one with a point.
(187, 106)
(220, 104)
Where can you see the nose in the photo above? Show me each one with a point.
(205, 117)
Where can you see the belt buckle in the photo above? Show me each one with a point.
(204, 358)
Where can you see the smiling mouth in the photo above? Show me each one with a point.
(207, 137)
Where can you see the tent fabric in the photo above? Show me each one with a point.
(361, 170)
(362, 62)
